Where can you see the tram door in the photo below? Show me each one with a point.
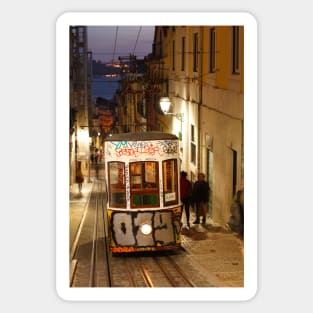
(209, 176)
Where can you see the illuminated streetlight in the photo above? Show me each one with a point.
(165, 104)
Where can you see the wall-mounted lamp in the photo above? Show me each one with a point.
(165, 104)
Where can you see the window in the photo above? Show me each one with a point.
(161, 44)
(144, 184)
(212, 50)
(173, 55)
(170, 182)
(117, 187)
(195, 52)
(193, 145)
(192, 130)
(183, 54)
(235, 53)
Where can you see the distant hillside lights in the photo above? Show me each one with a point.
(110, 75)
(115, 65)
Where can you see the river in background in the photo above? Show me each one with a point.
(104, 87)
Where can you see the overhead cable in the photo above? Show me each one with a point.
(137, 39)
(115, 44)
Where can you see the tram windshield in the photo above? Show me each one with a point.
(144, 184)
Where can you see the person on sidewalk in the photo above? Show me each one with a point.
(185, 194)
(200, 197)
(79, 178)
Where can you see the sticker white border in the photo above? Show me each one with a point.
(250, 143)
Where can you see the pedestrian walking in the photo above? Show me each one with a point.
(200, 197)
(100, 156)
(79, 178)
(185, 195)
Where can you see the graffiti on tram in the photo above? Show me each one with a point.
(142, 148)
(125, 228)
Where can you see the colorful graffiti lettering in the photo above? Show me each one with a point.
(137, 148)
(147, 150)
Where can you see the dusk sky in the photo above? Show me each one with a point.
(109, 42)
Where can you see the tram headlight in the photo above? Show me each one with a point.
(146, 229)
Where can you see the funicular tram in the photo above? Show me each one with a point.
(142, 177)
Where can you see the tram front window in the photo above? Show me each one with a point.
(144, 184)
(117, 186)
(170, 182)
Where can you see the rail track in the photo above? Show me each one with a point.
(92, 265)
(148, 271)
(89, 256)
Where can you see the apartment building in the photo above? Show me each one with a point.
(201, 71)
(81, 104)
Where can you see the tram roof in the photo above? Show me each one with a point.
(142, 136)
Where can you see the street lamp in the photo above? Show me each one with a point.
(165, 104)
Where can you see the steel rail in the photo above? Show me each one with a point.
(106, 243)
(73, 262)
(145, 274)
(177, 269)
(93, 258)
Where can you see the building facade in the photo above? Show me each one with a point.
(201, 71)
(81, 102)
(131, 102)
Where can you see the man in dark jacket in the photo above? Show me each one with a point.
(200, 196)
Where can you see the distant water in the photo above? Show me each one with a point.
(104, 87)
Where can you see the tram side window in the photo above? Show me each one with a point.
(170, 182)
(117, 186)
(144, 184)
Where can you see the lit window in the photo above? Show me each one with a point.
(117, 187)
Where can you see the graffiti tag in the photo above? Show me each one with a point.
(138, 148)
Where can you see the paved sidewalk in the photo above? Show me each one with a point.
(216, 252)
(77, 207)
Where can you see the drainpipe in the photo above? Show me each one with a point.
(200, 96)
